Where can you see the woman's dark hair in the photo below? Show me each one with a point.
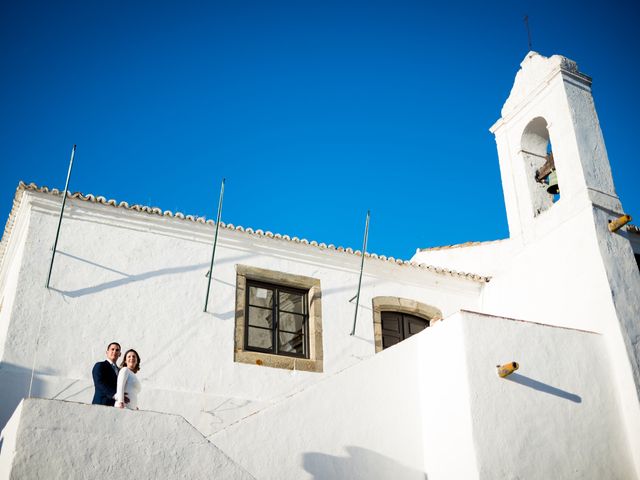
(124, 360)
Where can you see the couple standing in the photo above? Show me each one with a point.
(115, 386)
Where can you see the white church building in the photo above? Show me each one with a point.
(269, 382)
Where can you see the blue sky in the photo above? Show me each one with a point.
(313, 111)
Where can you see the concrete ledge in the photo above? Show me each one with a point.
(58, 439)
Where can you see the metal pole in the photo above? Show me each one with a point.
(215, 241)
(64, 201)
(526, 22)
(364, 249)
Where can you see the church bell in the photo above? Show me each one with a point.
(553, 183)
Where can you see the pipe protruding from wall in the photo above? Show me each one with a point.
(618, 223)
(507, 369)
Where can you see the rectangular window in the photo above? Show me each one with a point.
(277, 320)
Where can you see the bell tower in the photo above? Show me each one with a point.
(549, 140)
(561, 206)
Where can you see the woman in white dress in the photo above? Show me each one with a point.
(128, 383)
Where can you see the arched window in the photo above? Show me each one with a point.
(540, 166)
(395, 319)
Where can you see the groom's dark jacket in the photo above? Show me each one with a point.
(105, 382)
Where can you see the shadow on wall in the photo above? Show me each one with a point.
(14, 386)
(14, 380)
(543, 387)
(128, 278)
(361, 463)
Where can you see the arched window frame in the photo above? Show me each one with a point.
(401, 305)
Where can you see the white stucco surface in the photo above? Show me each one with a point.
(10, 272)
(446, 414)
(571, 269)
(376, 427)
(140, 280)
(61, 440)
(484, 258)
(557, 417)
(8, 440)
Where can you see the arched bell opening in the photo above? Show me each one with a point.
(537, 154)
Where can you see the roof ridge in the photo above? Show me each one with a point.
(22, 186)
(462, 245)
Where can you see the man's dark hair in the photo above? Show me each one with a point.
(114, 343)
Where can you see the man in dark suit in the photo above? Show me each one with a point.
(105, 377)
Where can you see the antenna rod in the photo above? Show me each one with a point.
(215, 242)
(526, 22)
(364, 249)
(64, 200)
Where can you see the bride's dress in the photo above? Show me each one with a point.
(128, 384)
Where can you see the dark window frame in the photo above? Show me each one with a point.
(276, 311)
(404, 324)
(402, 305)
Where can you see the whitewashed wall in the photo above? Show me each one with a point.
(572, 270)
(9, 271)
(398, 415)
(56, 439)
(140, 279)
(557, 417)
(571, 276)
(557, 280)
(485, 258)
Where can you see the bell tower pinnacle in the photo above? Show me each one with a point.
(549, 140)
